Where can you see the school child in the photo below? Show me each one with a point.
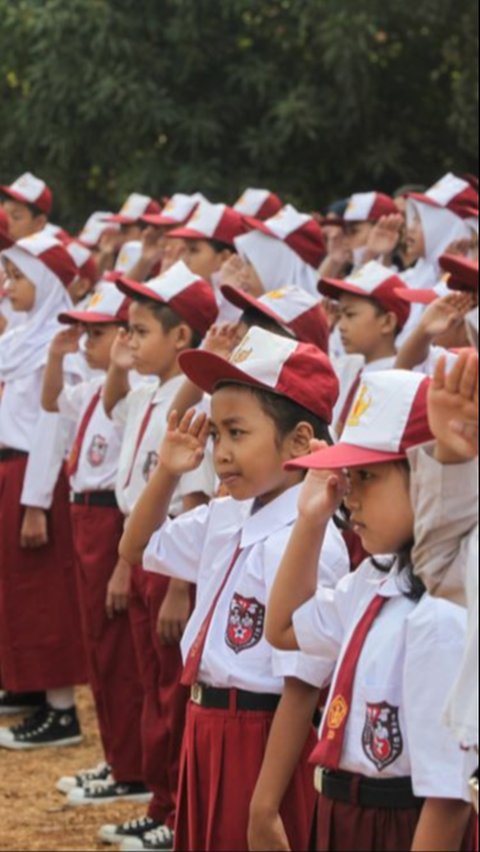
(96, 225)
(130, 225)
(371, 316)
(445, 498)
(359, 221)
(97, 525)
(285, 250)
(268, 401)
(158, 252)
(40, 635)
(167, 315)
(389, 773)
(27, 203)
(87, 276)
(260, 203)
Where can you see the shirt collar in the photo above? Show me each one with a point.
(380, 364)
(271, 518)
(169, 389)
(392, 584)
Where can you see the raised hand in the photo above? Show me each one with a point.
(445, 313)
(385, 235)
(174, 249)
(322, 491)
(222, 339)
(453, 409)
(120, 354)
(66, 341)
(183, 446)
(231, 272)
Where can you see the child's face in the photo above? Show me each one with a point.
(415, 239)
(154, 350)
(21, 221)
(381, 511)
(20, 289)
(247, 454)
(202, 259)
(100, 337)
(250, 281)
(362, 329)
(357, 234)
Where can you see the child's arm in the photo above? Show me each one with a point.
(442, 315)
(441, 826)
(182, 450)
(296, 580)
(117, 384)
(62, 344)
(286, 741)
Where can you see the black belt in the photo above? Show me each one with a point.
(7, 453)
(366, 792)
(95, 498)
(222, 699)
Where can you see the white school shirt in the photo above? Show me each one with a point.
(98, 460)
(404, 673)
(199, 547)
(347, 369)
(19, 411)
(129, 414)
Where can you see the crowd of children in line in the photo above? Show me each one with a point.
(238, 498)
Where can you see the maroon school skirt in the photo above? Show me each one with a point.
(222, 756)
(41, 643)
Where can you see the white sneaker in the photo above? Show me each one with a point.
(158, 840)
(101, 792)
(101, 772)
(131, 829)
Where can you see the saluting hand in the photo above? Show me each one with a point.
(184, 444)
(453, 409)
(322, 491)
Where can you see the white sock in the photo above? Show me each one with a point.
(61, 699)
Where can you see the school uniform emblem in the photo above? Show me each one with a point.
(149, 464)
(245, 623)
(97, 450)
(381, 737)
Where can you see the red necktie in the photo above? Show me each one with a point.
(348, 404)
(141, 433)
(74, 457)
(328, 750)
(194, 656)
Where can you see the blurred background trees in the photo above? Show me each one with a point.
(311, 98)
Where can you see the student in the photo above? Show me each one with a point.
(445, 498)
(267, 403)
(168, 314)
(389, 773)
(371, 316)
(365, 217)
(97, 526)
(27, 203)
(87, 276)
(40, 643)
(129, 221)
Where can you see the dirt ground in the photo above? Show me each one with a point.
(33, 815)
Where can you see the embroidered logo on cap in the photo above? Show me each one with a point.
(240, 356)
(95, 300)
(275, 294)
(362, 403)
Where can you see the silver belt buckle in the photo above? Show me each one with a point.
(473, 784)
(196, 693)
(318, 778)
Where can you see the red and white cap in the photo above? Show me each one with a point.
(106, 304)
(95, 226)
(186, 294)
(452, 193)
(212, 222)
(83, 260)
(29, 189)
(366, 207)
(293, 309)
(134, 208)
(49, 251)
(300, 231)
(373, 281)
(298, 371)
(176, 211)
(5, 239)
(129, 254)
(260, 203)
(462, 275)
(387, 417)
(58, 232)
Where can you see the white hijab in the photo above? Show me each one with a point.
(276, 264)
(25, 348)
(440, 227)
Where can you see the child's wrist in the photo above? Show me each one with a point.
(443, 454)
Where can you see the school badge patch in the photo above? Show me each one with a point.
(97, 450)
(245, 623)
(381, 736)
(149, 465)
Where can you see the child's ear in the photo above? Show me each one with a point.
(183, 336)
(389, 323)
(299, 440)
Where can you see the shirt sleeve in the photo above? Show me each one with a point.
(71, 401)
(175, 549)
(53, 434)
(445, 499)
(434, 646)
(319, 624)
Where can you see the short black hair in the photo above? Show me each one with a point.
(252, 316)
(167, 318)
(218, 246)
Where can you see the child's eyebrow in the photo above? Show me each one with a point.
(228, 421)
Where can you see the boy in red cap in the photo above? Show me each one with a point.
(97, 526)
(268, 401)
(27, 203)
(371, 316)
(389, 773)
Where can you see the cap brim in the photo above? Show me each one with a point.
(5, 240)
(421, 297)
(188, 234)
(85, 317)
(17, 196)
(157, 220)
(334, 287)
(341, 456)
(123, 220)
(464, 272)
(254, 224)
(131, 287)
(244, 301)
(206, 370)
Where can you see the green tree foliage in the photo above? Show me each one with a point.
(312, 98)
